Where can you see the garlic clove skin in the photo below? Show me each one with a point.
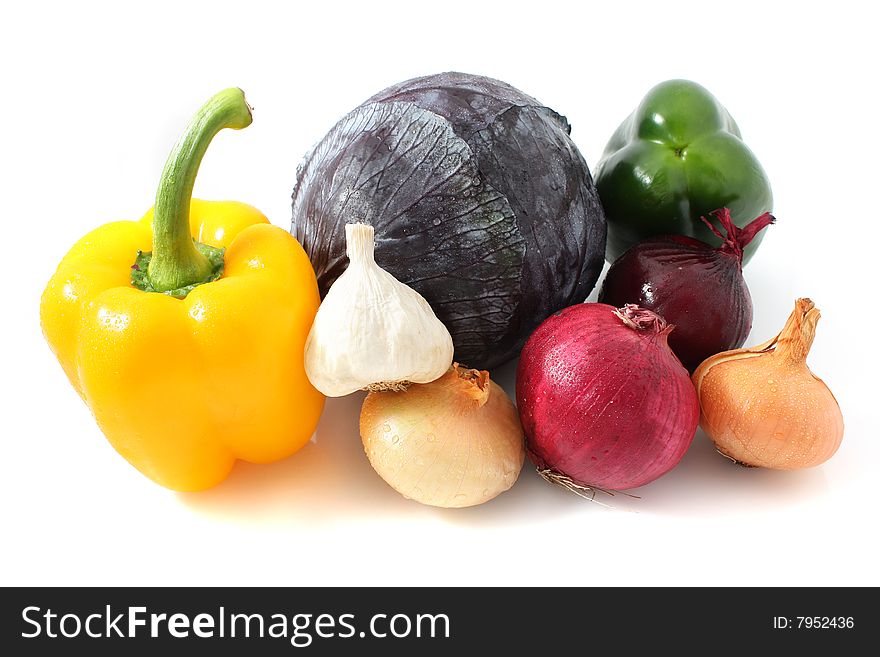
(763, 406)
(453, 443)
(372, 331)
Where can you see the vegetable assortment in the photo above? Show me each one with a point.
(449, 223)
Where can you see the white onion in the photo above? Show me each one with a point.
(454, 442)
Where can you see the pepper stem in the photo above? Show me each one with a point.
(176, 262)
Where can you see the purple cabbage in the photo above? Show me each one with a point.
(479, 199)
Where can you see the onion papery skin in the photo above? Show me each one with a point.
(694, 286)
(451, 443)
(603, 403)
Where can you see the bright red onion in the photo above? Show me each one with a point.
(697, 287)
(604, 402)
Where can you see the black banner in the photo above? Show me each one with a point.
(284, 621)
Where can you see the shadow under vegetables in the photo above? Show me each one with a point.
(330, 481)
(706, 483)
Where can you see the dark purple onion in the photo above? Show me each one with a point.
(697, 287)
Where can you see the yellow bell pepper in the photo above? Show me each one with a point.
(184, 331)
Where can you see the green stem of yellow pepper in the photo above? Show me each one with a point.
(177, 262)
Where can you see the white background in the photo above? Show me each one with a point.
(94, 95)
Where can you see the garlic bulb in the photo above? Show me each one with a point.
(451, 443)
(763, 406)
(372, 331)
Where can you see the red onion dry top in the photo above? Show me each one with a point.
(693, 285)
(603, 401)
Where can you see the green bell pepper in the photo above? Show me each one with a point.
(676, 158)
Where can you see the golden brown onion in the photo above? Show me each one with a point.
(764, 407)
